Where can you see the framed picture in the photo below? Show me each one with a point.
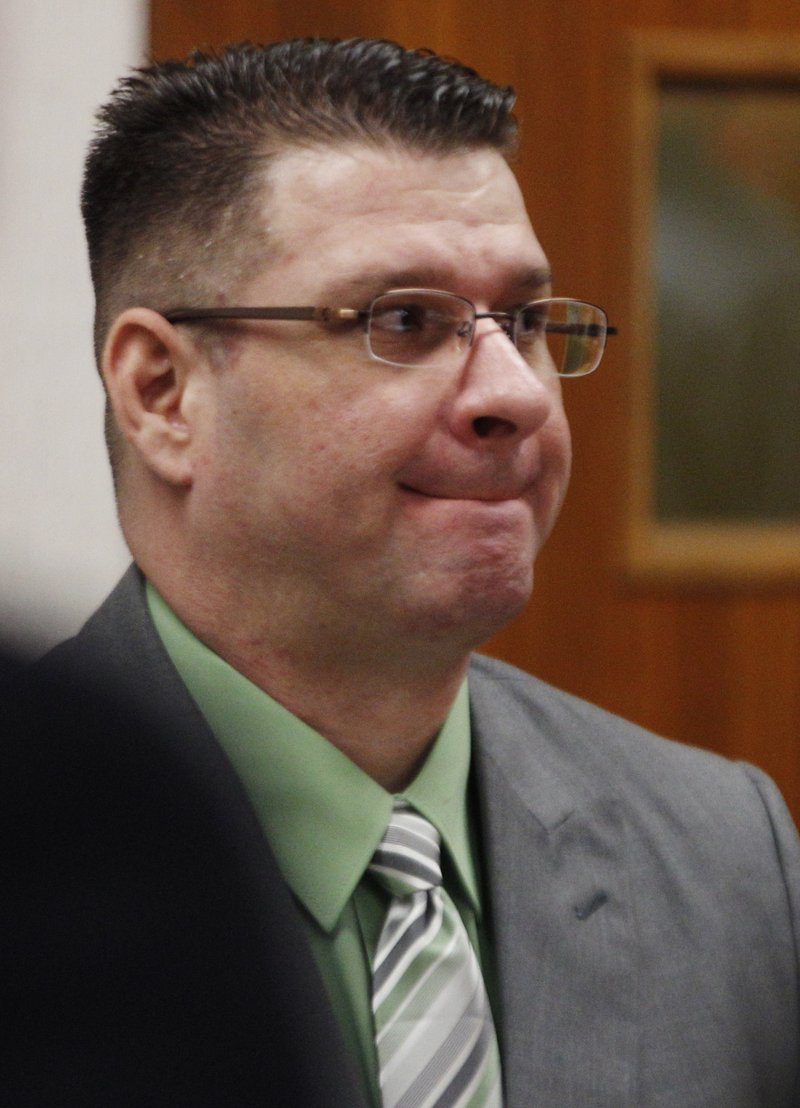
(714, 488)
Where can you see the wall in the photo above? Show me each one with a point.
(60, 548)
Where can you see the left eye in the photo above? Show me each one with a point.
(531, 319)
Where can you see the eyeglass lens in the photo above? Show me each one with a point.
(574, 333)
(431, 328)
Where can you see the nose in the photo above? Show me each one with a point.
(500, 398)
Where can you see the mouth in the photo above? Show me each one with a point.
(479, 495)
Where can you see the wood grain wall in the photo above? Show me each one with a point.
(713, 665)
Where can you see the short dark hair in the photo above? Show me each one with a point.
(178, 162)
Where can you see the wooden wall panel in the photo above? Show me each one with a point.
(713, 666)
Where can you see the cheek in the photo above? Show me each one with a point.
(309, 467)
(561, 446)
(321, 442)
(353, 439)
(556, 432)
(555, 446)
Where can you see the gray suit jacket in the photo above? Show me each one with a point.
(644, 896)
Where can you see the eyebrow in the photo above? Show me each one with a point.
(365, 286)
(534, 280)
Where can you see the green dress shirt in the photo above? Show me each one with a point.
(324, 817)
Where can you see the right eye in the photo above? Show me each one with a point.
(402, 318)
(418, 327)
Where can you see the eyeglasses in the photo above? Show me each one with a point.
(429, 328)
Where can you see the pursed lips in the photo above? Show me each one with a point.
(485, 493)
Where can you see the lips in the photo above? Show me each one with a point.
(489, 493)
(469, 477)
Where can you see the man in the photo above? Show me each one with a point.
(329, 344)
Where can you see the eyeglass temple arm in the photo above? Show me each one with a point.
(322, 315)
(330, 315)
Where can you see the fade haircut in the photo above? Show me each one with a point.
(176, 172)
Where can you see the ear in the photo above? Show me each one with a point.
(148, 369)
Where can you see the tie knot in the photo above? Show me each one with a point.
(408, 857)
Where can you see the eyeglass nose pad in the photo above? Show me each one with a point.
(466, 330)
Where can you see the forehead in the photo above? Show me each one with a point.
(364, 218)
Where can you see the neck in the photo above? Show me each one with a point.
(384, 718)
(385, 726)
(380, 702)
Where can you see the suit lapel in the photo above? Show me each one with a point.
(566, 951)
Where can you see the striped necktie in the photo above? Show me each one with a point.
(433, 1026)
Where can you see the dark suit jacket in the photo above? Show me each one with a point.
(150, 952)
(644, 901)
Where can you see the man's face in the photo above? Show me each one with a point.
(371, 502)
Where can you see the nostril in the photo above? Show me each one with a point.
(492, 427)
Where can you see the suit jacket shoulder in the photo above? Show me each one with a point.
(646, 904)
(583, 744)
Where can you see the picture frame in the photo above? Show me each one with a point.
(714, 464)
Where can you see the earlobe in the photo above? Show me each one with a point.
(146, 369)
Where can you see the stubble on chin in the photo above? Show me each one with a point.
(463, 607)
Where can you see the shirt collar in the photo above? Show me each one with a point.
(322, 815)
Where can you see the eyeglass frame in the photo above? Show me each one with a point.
(364, 315)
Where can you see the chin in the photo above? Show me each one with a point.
(468, 612)
(491, 614)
